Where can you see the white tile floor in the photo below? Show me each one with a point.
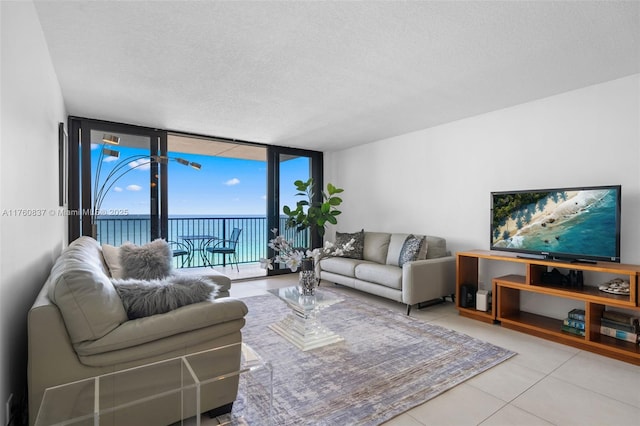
(545, 384)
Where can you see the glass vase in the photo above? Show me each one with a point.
(308, 281)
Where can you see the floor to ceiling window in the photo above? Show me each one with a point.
(114, 175)
(184, 188)
(286, 165)
(227, 193)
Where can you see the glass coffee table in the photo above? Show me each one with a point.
(302, 326)
(175, 385)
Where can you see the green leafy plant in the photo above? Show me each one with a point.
(311, 214)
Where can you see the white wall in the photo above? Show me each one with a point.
(437, 181)
(31, 108)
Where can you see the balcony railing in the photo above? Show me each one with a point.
(252, 244)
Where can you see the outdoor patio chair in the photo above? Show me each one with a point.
(226, 247)
(180, 250)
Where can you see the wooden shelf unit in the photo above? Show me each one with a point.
(507, 290)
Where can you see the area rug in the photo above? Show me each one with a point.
(388, 363)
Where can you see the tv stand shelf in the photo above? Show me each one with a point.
(507, 290)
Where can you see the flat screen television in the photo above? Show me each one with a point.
(567, 224)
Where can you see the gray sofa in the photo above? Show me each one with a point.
(78, 328)
(378, 272)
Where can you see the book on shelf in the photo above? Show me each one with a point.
(619, 334)
(572, 330)
(577, 314)
(621, 317)
(574, 323)
(624, 326)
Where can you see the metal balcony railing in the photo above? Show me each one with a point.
(252, 244)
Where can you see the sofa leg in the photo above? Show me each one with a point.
(408, 309)
(222, 410)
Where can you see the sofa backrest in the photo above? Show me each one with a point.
(80, 286)
(376, 245)
(436, 247)
(395, 246)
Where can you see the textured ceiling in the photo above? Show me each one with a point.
(328, 75)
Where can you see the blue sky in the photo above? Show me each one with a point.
(224, 186)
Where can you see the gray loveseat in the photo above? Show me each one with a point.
(379, 273)
(78, 328)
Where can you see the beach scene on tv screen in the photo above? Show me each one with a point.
(572, 222)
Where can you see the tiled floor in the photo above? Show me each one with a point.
(545, 384)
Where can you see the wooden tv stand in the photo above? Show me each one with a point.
(506, 292)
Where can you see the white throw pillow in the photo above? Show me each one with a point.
(111, 255)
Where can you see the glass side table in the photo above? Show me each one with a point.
(175, 385)
(302, 326)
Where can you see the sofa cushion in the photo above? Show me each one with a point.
(340, 265)
(144, 298)
(343, 238)
(436, 247)
(80, 287)
(376, 245)
(411, 249)
(147, 262)
(386, 275)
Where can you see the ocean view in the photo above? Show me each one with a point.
(252, 244)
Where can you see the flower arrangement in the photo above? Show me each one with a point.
(293, 257)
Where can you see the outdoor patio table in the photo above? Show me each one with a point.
(197, 244)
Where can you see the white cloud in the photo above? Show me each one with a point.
(264, 197)
(109, 159)
(94, 146)
(117, 189)
(142, 164)
(232, 182)
(134, 188)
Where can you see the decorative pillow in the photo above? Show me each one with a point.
(148, 262)
(111, 256)
(358, 244)
(410, 249)
(423, 249)
(145, 298)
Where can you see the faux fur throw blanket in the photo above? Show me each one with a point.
(143, 298)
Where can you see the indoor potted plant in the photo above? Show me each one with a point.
(311, 212)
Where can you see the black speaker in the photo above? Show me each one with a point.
(468, 296)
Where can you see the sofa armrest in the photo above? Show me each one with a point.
(428, 279)
(216, 277)
(185, 319)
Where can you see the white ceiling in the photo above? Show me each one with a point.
(328, 75)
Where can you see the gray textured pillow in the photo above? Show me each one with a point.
(143, 298)
(148, 262)
(358, 244)
(410, 249)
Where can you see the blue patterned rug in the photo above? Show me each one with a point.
(388, 363)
